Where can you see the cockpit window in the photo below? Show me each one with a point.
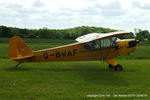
(101, 43)
(105, 43)
(115, 39)
(92, 45)
(88, 45)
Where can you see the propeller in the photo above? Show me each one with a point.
(134, 43)
(138, 42)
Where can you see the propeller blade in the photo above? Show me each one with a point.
(138, 42)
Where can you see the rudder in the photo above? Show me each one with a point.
(18, 49)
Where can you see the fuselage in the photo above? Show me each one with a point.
(102, 49)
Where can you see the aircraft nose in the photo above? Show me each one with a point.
(132, 43)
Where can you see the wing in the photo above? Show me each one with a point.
(95, 36)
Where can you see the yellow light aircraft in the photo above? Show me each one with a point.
(90, 47)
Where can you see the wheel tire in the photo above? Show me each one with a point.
(111, 66)
(118, 68)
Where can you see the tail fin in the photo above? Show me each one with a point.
(18, 49)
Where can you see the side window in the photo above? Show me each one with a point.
(117, 40)
(92, 45)
(95, 44)
(88, 45)
(105, 43)
(113, 38)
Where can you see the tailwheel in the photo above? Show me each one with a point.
(111, 66)
(118, 68)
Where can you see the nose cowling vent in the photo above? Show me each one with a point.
(132, 43)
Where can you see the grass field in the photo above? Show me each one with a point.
(73, 80)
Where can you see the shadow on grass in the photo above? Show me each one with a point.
(101, 76)
(95, 74)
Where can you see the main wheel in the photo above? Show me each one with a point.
(111, 66)
(118, 68)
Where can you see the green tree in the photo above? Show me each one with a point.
(145, 33)
(131, 35)
(0, 31)
(70, 33)
(44, 33)
(24, 32)
(6, 32)
(139, 36)
(149, 38)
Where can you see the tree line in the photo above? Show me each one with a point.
(70, 33)
(142, 34)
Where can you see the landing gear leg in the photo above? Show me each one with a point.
(17, 65)
(111, 66)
